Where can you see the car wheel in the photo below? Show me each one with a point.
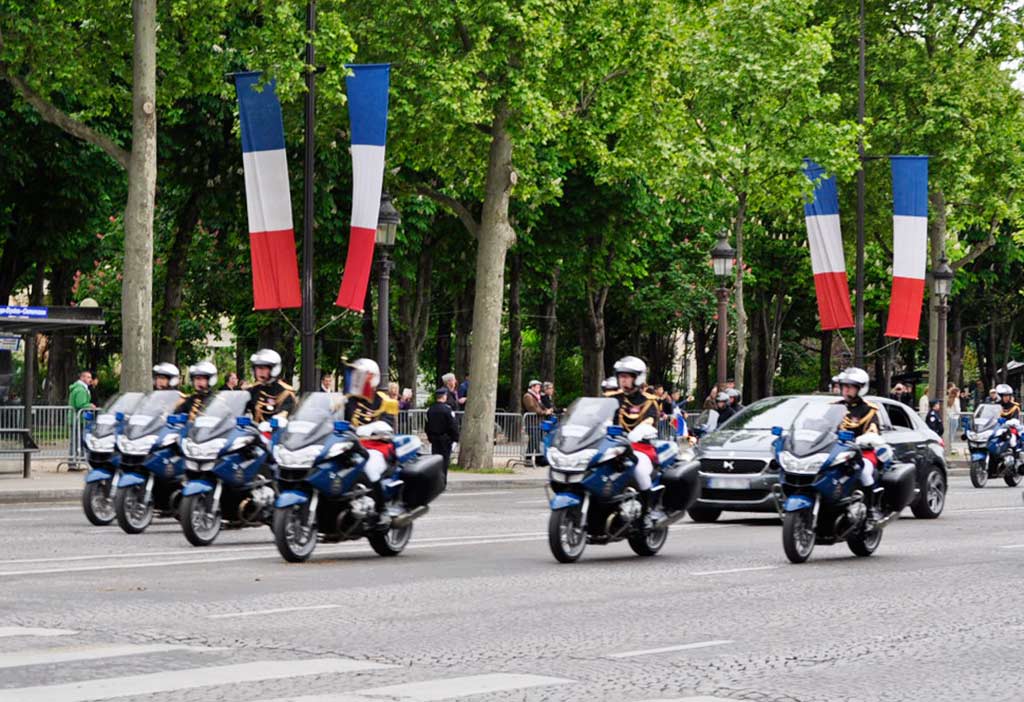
(930, 503)
(704, 515)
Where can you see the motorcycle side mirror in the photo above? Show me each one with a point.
(846, 435)
(88, 415)
(547, 425)
(776, 431)
(1002, 420)
(278, 423)
(615, 430)
(174, 420)
(243, 422)
(119, 416)
(342, 427)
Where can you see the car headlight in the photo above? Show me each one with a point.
(205, 451)
(102, 444)
(805, 464)
(578, 460)
(338, 448)
(299, 458)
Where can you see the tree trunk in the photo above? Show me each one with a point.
(956, 345)
(1007, 348)
(464, 325)
(701, 355)
(63, 352)
(549, 329)
(593, 339)
(937, 249)
(443, 347)
(177, 263)
(368, 329)
(825, 361)
(991, 364)
(494, 239)
(758, 367)
(137, 284)
(741, 310)
(515, 337)
(414, 315)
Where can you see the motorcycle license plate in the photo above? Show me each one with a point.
(977, 456)
(730, 482)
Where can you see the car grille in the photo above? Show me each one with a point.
(732, 465)
(716, 495)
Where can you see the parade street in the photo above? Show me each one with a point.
(477, 609)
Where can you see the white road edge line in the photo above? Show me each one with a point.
(6, 631)
(436, 690)
(669, 649)
(734, 570)
(87, 653)
(279, 610)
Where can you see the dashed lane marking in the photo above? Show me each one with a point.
(437, 690)
(6, 631)
(279, 610)
(87, 653)
(669, 649)
(735, 570)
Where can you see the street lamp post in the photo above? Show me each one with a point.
(387, 228)
(943, 277)
(723, 257)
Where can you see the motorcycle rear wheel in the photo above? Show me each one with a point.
(200, 519)
(1010, 475)
(295, 539)
(134, 514)
(97, 504)
(567, 537)
(649, 541)
(798, 538)
(865, 543)
(979, 474)
(391, 542)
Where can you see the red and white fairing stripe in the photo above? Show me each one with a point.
(825, 240)
(909, 245)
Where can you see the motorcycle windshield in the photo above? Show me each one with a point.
(151, 415)
(815, 427)
(987, 417)
(106, 421)
(314, 421)
(218, 417)
(585, 423)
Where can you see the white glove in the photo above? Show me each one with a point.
(1013, 423)
(869, 441)
(644, 432)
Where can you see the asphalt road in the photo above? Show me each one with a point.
(477, 609)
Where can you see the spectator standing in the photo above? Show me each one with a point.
(442, 429)
(448, 380)
(993, 397)
(393, 391)
(79, 398)
(533, 406)
(463, 392)
(405, 401)
(933, 420)
(952, 406)
(709, 401)
(924, 404)
(94, 389)
(326, 382)
(665, 404)
(231, 381)
(547, 397)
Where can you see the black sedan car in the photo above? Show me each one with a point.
(738, 466)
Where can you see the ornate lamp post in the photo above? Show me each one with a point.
(387, 228)
(943, 279)
(723, 258)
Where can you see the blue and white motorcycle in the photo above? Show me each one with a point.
(152, 468)
(594, 499)
(100, 441)
(229, 473)
(988, 441)
(820, 498)
(325, 493)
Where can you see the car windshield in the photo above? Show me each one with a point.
(772, 412)
(218, 417)
(151, 414)
(314, 420)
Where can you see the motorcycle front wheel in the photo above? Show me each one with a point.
(134, 512)
(200, 519)
(295, 538)
(798, 537)
(979, 474)
(567, 536)
(864, 543)
(97, 504)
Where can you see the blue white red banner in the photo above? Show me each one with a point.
(909, 244)
(825, 240)
(275, 272)
(368, 115)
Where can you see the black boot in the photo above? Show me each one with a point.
(872, 500)
(381, 506)
(652, 511)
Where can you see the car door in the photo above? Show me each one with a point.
(899, 431)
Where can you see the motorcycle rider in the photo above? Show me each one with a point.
(734, 400)
(1010, 411)
(862, 420)
(637, 408)
(203, 376)
(165, 376)
(269, 396)
(723, 407)
(364, 405)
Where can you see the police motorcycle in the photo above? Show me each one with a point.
(988, 441)
(819, 496)
(325, 493)
(593, 497)
(228, 471)
(152, 468)
(100, 440)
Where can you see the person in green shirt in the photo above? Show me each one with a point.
(79, 398)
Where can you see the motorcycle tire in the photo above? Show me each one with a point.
(200, 519)
(1012, 479)
(391, 542)
(798, 538)
(648, 542)
(979, 474)
(704, 515)
(96, 503)
(567, 536)
(288, 522)
(132, 515)
(865, 543)
(930, 503)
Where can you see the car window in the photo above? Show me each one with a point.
(899, 418)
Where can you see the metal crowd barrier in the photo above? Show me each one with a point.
(53, 429)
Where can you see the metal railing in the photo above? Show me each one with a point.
(55, 432)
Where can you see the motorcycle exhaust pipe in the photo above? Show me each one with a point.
(670, 519)
(409, 517)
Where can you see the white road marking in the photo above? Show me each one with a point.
(87, 653)
(10, 510)
(6, 631)
(986, 509)
(486, 492)
(435, 690)
(734, 570)
(1013, 546)
(669, 649)
(173, 680)
(256, 613)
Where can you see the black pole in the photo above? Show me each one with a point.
(383, 310)
(723, 335)
(29, 394)
(308, 380)
(858, 344)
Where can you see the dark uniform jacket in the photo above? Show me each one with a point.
(1010, 411)
(276, 398)
(361, 411)
(193, 405)
(441, 424)
(861, 418)
(635, 408)
(724, 413)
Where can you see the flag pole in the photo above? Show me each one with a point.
(858, 344)
(308, 380)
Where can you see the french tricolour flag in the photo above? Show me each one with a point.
(367, 89)
(909, 244)
(826, 243)
(275, 272)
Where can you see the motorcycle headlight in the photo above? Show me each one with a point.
(844, 456)
(169, 440)
(568, 461)
(299, 458)
(560, 476)
(613, 452)
(136, 447)
(804, 464)
(103, 444)
(205, 451)
(338, 448)
(239, 443)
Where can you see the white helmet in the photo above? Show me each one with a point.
(269, 358)
(857, 377)
(204, 369)
(633, 366)
(169, 371)
(1003, 389)
(722, 397)
(733, 392)
(362, 377)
